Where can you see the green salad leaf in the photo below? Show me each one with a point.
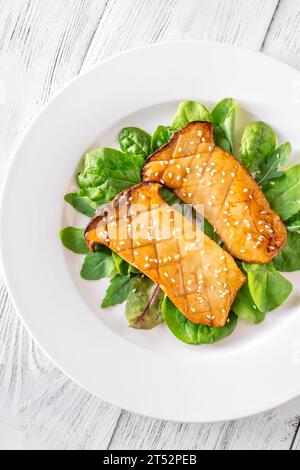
(169, 196)
(269, 167)
(293, 224)
(135, 141)
(121, 265)
(144, 304)
(244, 307)
(284, 193)
(192, 333)
(82, 204)
(162, 136)
(289, 258)
(268, 288)
(210, 231)
(107, 172)
(189, 111)
(98, 265)
(258, 141)
(223, 116)
(118, 290)
(73, 239)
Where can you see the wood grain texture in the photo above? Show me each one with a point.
(42, 46)
(283, 40)
(138, 22)
(271, 430)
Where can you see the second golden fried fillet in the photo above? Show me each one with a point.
(222, 190)
(199, 277)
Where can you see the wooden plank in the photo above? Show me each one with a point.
(130, 24)
(42, 46)
(283, 43)
(283, 40)
(268, 431)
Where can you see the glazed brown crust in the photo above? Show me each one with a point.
(218, 186)
(200, 278)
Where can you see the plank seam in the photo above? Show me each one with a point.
(115, 429)
(295, 436)
(270, 25)
(93, 36)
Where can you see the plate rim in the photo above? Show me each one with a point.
(9, 169)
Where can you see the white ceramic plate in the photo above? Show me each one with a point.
(151, 373)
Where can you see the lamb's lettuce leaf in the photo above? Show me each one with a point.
(118, 290)
(73, 239)
(82, 203)
(98, 265)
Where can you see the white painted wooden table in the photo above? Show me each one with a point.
(43, 44)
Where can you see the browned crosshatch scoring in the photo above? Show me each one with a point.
(204, 175)
(200, 278)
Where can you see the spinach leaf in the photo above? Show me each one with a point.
(258, 141)
(82, 204)
(192, 333)
(293, 224)
(73, 239)
(162, 136)
(189, 111)
(223, 116)
(245, 308)
(118, 290)
(135, 141)
(268, 288)
(269, 168)
(144, 304)
(107, 172)
(289, 258)
(284, 193)
(98, 265)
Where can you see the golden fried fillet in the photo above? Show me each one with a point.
(222, 190)
(199, 277)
